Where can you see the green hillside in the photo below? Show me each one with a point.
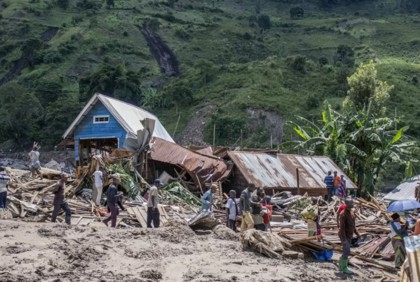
(234, 58)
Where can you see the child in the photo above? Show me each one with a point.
(232, 210)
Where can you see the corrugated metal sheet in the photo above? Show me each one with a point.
(279, 170)
(206, 168)
(404, 191)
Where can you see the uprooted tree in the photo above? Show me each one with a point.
(361, 138)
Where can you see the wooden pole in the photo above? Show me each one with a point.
(214, 136)
(297, 181)
(176, 126)
(241, 138)
(271, 141)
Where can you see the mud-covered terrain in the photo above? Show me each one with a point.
(55, 252)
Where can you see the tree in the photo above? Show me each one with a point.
(361, 139)
(59, 114)
(63, 4)
(365, 89)
(20, 113)
(344, 56)
(113, 80)
(110, 3)
(296, 12)
(264, 22)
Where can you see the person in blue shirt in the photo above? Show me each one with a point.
(208, 197)
(329, 182)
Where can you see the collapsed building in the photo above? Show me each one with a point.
(106, 124)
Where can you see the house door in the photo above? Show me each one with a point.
(95, 146)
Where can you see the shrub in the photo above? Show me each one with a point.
(298, 63)
(323, 61)
(296, 13)
(344, 55)
(63, 4)
(264, 21)
(182, 33)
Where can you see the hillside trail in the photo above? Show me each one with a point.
(55, 252)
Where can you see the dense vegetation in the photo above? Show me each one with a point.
(279, 56)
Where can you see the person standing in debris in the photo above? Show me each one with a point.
(153, 214)
(59, 201)
(232, 210)
(417, 192)
(35, 164)
(112, 200)
(245, 205)
(329, 182)
(208, 198)
(341, 208)
(4, 183)
(97, 186)
(256, 209)
(399, 230)
(267, 211)
(342, 190)
(337, 181)
(345, 232)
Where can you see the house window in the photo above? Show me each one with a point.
(100, 119)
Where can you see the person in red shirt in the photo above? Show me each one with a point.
(340, 209)
(268, 211)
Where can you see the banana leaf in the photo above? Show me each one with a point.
(177, 191)
(130, 186)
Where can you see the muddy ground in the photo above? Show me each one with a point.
(56, 252)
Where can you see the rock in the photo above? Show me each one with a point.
(292, 254)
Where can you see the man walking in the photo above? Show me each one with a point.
(4, 183)
(245, 204)
(97, 186)
(346, 229)
(153, 214)
(112, 200)
(35, 164)
(208, 198)
(329, 182)
(59, 201)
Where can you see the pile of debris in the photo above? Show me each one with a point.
(374, 248)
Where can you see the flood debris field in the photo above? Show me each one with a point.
(57, 252)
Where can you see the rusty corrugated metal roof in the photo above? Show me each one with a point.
(206, 168)
(273, 170)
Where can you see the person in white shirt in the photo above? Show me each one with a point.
(35, 164)
(4, 182)
(152, 205)
(232, 210)
(98, 184)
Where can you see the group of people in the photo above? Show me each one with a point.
(336, 185)
(254, 208)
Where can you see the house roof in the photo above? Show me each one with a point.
(206, 168)
(273, 170)
(404, 191)
(127, 115)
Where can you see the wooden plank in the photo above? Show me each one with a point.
(143, 214)
(136, 212)
(163, 217)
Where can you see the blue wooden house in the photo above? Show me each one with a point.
(106, 123)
